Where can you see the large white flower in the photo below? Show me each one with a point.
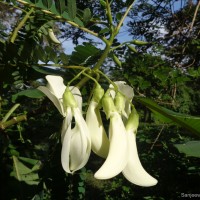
(99, 139)
(117, 155)
(134, 171)
(76, 142)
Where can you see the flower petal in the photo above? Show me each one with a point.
(117, 156)
(76, 146)
(66, 123)
(100, 142)
(57, 102)
(56, 85)
(134, 171)
(127, 91)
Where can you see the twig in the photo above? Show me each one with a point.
(20, 25)
(195, 16)
(14, 120)
(156, 138)
(10, 112)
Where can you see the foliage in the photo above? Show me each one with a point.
(30, 133)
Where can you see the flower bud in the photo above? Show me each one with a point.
(108, 105)
(68, 99)
(133, 121)
(98, 94)
(120, 102)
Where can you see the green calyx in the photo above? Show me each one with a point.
(133, 121)
(108, 105)
(98, 94)
(68, 99)
(119, 102)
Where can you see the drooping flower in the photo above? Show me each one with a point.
(99, 139)
(117, 155)
(134, 171)
(76, 142)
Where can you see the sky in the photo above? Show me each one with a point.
(123, 34)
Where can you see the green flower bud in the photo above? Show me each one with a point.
(132, 48)
(139, 42)
(98, 93)
(133, 121)
(68, 99)
(120, 102)
(108, 105)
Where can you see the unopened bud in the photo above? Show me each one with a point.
(108, 105)
(98, 94)
(133, 121)
(120, 102)
(68, 99)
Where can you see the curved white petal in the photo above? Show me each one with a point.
(134, 171)
(99, 139)
(117, 156)
(66, 123)
(56, 85)
(76, 146)
(57, 102)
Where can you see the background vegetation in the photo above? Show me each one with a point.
(165, 69)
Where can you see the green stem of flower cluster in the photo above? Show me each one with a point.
(108, 42)
(78, 75)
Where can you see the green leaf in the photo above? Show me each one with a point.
(64, 58)
(34, 1)
(60, 6)
(49, 70)
(83, 53)
(47, 3)
(23, 173)
(79, 22)
(86, 15)
(71, 8)
(190, 123)
(32, 93)
(191, 148)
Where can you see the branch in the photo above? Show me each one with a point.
(123, 18)
(14, 120)
(65, 20)
(20, 25)
(194, 17)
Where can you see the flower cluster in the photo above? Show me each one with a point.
(118, 147)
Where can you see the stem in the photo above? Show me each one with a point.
(114, 85)
(14, 120)
(123, 18)
(66, 20)
(9, 113)
(90, 77)
(77, 76)
(97, 66)
(20, 25)
(109, 14)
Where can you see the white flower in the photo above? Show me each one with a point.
(117, 155)
(134, 171)
(76, 142)
(99, 139)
